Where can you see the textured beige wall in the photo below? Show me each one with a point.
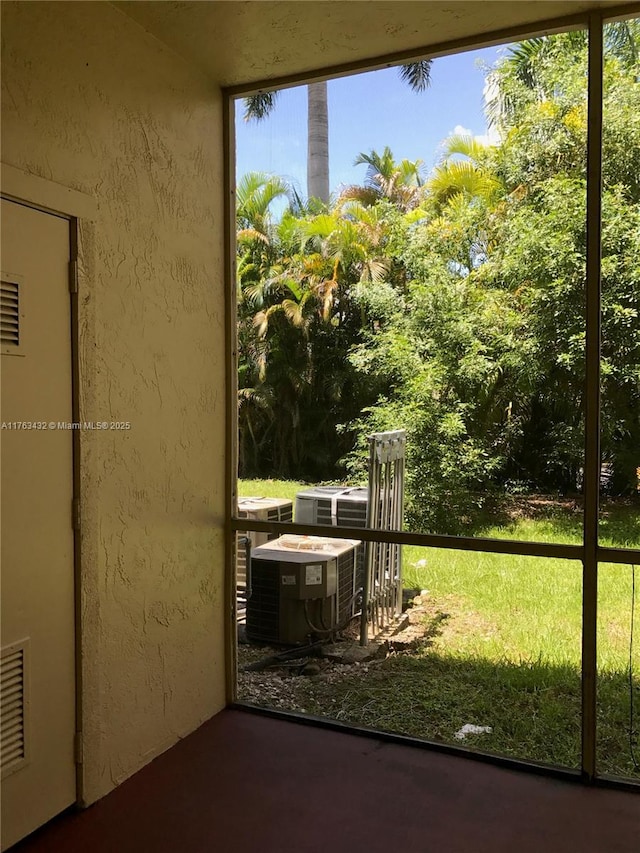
(92, 102)
(266, 39)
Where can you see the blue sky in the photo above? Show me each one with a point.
(369, 111)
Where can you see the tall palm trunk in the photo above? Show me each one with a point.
(258, 107)
(318, 142)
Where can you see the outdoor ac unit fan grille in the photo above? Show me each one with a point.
(349, 513)
(281, 513)
(324, 512)
(350, 580)
(263, 609)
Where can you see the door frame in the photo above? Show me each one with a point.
(80, 211)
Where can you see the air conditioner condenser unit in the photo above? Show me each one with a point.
(336, 505)
(258, 509)
(295, 581)
(339, 506)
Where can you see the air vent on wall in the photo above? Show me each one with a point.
(15, 705)
(11, 315)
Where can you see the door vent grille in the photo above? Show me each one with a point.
(14, 707)
(10, 310)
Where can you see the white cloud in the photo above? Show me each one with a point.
(491, 137)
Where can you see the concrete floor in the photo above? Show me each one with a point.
(245, 783)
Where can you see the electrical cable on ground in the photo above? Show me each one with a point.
(289, 654)
(301, 651)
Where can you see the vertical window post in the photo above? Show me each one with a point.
(592, 398)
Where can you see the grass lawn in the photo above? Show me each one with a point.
(504, 646)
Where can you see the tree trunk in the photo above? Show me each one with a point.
(318, 142)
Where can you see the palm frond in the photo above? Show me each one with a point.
(257, 107)
(293, 311)
(261, 398)
(249, 235)
(377, 164)
(364, 195)
(465, 145)
(261, 319)
(498, 104)
(417, 74)
(525, 56)
(622, 39)
(464, 178)
(356, 210)
(326, 292)
(410, 172)
(255, 192)
(375, 271)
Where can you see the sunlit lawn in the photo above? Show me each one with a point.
(506, 645)
(270, 488)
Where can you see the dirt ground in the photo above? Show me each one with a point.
(267, 678)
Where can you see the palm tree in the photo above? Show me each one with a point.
(300, 313)
(257, 107)
(399, 183)
(255, 193)
(318, 141)
(256, 233)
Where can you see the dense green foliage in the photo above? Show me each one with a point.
(453, 306)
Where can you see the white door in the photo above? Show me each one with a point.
(38, 643)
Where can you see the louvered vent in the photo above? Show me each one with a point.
(10, 310)
(259, 509)
(14, 706)
(263, 608)
(350, 583)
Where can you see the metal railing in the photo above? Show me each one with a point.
(382, 586)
